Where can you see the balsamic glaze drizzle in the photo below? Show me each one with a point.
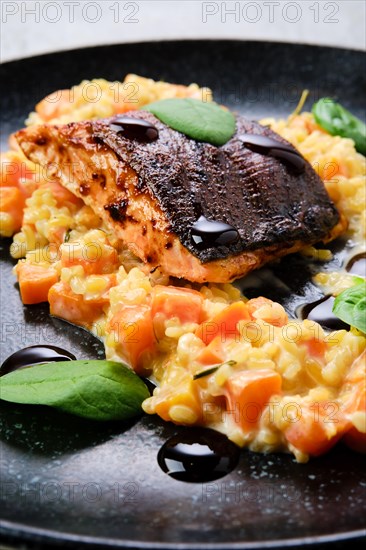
(321, 312)
(198, 455)
(134, 128)
(357, 265)
(33, 355)
(268, 146)
(205, 233)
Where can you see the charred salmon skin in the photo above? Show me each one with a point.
(200, 212)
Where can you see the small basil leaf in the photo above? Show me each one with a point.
(98, 390)
(199, 120)
(358, 280)
(350, 306)
(336, 120)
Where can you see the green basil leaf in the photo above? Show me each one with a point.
(357, 280)
(98, 390)
(350, 306)
(336, 120)
(202, 121)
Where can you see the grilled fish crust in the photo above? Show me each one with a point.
(151, 194)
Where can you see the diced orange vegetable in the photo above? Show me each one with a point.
(124, 106)
(56, 235)
(183, 396)
(212, 354)
(95, 258)
(248, 392)
(35, 281)
(357, 372)
(355, 440)
(310, 125)
(353, 393)
(132, 328)
(66, 304)
(316, 348)
(309, 432)
(171, 301)
(62, 195)
(14, 170)
(53, 105)
(12, 202)
(224, 324)
(354, 396)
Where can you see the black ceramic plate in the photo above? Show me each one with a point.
(69, 481)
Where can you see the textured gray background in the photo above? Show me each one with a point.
(33, 27)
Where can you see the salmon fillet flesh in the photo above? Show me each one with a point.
(156, 195)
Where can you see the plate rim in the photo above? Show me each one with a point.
(48, 536)
(21, 532)
(183, 40)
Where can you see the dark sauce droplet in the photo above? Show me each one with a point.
(357, 265)
(198, 455)
(321, 312)
(34, 355)
(205, 233)
(268, 146)
(134, 128)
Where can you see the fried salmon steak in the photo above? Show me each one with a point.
(151, 194)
